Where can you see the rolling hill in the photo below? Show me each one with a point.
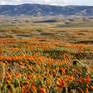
(44, 10)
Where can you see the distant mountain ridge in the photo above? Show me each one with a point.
(44, 10)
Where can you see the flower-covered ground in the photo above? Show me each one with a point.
(43, 66)
(34, 60)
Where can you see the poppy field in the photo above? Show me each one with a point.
(41, 56)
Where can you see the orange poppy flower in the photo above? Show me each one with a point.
(18, 75)
(92, 87)
(34, 89)
(88, 80)
(69, 78)
(23, 90)
(86, 90)
(42, 90)
(60, 82)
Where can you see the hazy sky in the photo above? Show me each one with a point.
(52, 2)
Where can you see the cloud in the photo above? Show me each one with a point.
(10, 1)
(51, 2)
